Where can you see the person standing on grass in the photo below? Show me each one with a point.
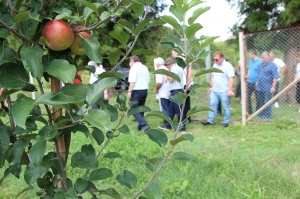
(188, 82)
(139, 78)
(161, 88)
(281, 68)
(94, 78)
(253, 65)
(221, 89)
(174, 87)
(297, 76)
(266, 85)
(238, 93)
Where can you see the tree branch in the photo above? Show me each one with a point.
(46, 106)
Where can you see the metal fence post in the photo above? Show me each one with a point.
(243, 82)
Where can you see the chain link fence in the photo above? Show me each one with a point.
(264, 102)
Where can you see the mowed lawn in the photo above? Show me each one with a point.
(254, 161)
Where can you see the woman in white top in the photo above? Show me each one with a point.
(298, 84)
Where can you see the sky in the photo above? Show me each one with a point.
(217, 20)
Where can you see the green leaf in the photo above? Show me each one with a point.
(93, 6)
(24, 16)
(172, 21)
(144, 52)
(82, 160)
(197, 13)
(173, 38)
(192, 30)
(127, 179)
(180, 62)
(58, 100)
(112, 155)
(138, 109)
(114, 56)
(207, 42)
(91, 46)
(112, 111)
(175, 11)
(71, 194)
(36, 152)
(124, 129)
(138, 8)
(81, 185)
(194, 3)
(112, 193)
(185, 137)
(21, 109)
(9, 55)
(76, 91)
(4, 142)
(33, 172)
(160, 115)
(13, 76)
(111, 74)
(96, 89)
(126, 25)
(184, 157)
(100, 174)
(149, 2)
(177, 98)
(141, 25)
(167, 73)
(211, 70)
(121, 36)
(99, 119)
(61, 69)
(158, 137)
(4, 33)
(98, 136)
(29, 28)
(154, 191)
(88, 149)
(197, 109)
(153, 163)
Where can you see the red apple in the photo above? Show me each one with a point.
(58, 35)
(76, 46)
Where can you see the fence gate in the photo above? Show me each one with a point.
(267, 107)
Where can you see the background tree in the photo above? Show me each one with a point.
(256, 15)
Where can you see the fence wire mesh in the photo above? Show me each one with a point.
(284, 44)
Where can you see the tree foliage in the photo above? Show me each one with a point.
(51, 118)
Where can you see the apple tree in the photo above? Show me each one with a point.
(48, 40)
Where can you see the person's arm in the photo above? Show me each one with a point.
(211, 83)
(131, 85)
(230, 86)
(273, 88)
(157, 87)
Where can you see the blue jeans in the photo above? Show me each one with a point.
(165, 105)
(174, 109)
(215, 99)
(262, 98)
(140, 97)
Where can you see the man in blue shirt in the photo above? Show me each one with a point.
(266, 84)
(254, 64)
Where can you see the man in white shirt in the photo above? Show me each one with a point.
(161, 88)
(281, 70)
(139, 78)
(221, 89)
(94, 78)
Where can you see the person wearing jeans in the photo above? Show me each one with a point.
(266, 85)
(254, 64)
(221, 89)
(139, 79)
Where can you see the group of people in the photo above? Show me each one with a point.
(166, 87)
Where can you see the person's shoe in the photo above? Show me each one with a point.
(164, 128)
(206, 123)
(276, 105)
(145, 128)
(225, 125)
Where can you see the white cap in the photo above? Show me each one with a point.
(159, 60)
(92, 63)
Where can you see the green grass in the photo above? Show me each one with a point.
(256, 161)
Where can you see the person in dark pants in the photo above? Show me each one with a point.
(266, 85)
(297, 75)
(174, 87)
(254, 64)
(138, 79)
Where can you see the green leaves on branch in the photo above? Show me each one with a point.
(153, 191)
(160, 115)
(173, 22)
(197, 13)
(21, 109)
(127, 179)
(92, 48)
(61, 69)
(197, 109)
(138, 109)
(100, 174)
(211, 70)
(184, 157)
(13, 76)
(158, 137)
(99, 119)
(167, 73)
(185, 137)
(32, 59)
(121, 36)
